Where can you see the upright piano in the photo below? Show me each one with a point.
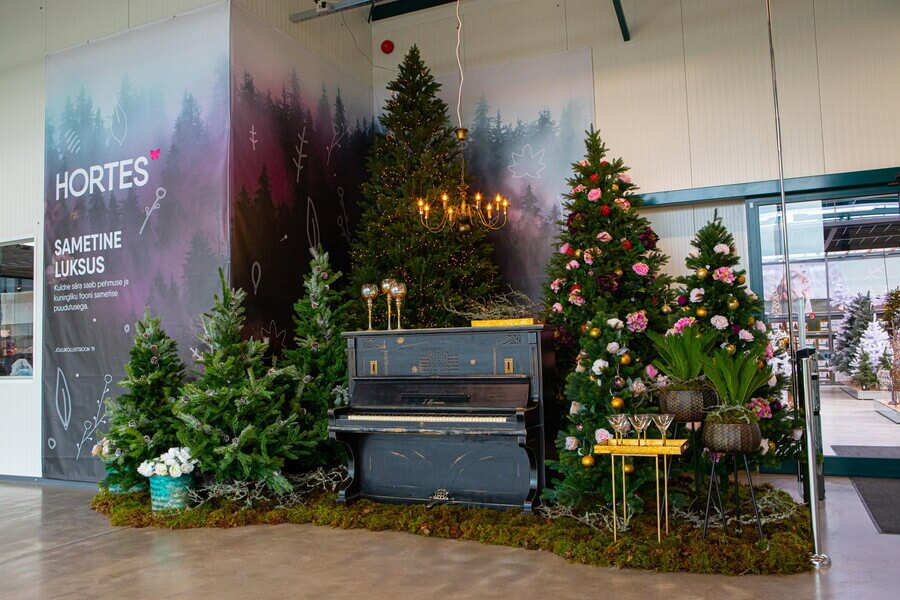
(447, 416)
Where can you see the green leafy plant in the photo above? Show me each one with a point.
(681, 355)
(735, 378)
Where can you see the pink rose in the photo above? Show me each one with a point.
(604, 236)
(637, 321)
(578, 189)
(594, 195)
(641, 268)
(572, 264)
(565, 248)
(694, 253)
(583, 163)
(577, 300)
(556, 284)
(720, 322)
(622, 203)
(557, 307)
(652, 371)
(723, 274)
(760, 326)
(571, 443)
(588, 258)
(625, 177)
(602, 436)
(745, 335)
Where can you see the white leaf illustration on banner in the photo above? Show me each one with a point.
(527, 163)
(118, 126)
(256, 276)
(63, 399)
(312, 223)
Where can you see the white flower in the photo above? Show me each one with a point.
(615, 323)
(571, 443)
(187, 467)
(612, 347)
(97, 450)
(719, 322)
(752, 295)
(694, 253)
(721, 249)
(145, 469)
(575, 408)
(601, 435)
(638, 387)
(797, 434)
(175, 471)
(599, 365)
(697, 294)
(772, 380)
(160, 469)
(764, 446)
(745, 335)
(760, 326)
(579, 368)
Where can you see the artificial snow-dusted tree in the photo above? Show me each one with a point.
(873, 354)
(859, 314)
(417, 155)
(142, 423)
(241, 413)
(320, 356)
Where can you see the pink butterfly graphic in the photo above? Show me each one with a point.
(154, 154)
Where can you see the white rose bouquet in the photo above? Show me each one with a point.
(174, 463)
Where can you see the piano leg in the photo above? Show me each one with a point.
(349, 490)
(531, 443)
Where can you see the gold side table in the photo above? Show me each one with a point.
(645, 448)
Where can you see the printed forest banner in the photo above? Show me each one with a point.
(522, 141)
(301, 130)
(135, 212)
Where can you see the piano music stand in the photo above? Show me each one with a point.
(642, 448)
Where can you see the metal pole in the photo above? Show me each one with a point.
(818, 558)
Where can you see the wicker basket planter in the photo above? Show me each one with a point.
(170, 493)
(732, 438)
(687, 405)
(118, 489)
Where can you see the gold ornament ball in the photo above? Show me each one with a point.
(702, 273)
(625, 359)
(686, 309)
(618, 272)
(587, 461)
(666, 309)
(615, 187)
(742, 279)
(578, 253)
(591, 378)
(702, 311)
(617, 403)
(731, 349)
(751, 322)
(595, 333)
(628, 468)
(733, 304)
(760, 365)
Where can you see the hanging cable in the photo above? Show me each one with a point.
(462, 76)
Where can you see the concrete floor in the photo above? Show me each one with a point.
(847, 421)
(53, 546)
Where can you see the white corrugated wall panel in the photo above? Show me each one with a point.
(141, 12)
(675, 227)
(73, 22)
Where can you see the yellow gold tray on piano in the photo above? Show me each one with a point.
(507, 322)
(651, 447)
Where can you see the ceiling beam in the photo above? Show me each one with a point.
(623, 24)
(328, 7)
(402, 7)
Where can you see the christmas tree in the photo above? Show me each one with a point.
(241, 414)
(605, 286)
(873, 354)
(417, 156)
(607, 260)
(859, 314)
(142, 424)
(321, 355)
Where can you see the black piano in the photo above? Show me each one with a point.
(446, 416)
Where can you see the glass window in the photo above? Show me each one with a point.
(16, 309)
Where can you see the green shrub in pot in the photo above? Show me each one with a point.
(681, 352)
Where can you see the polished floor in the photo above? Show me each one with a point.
(847, 421)
(53, 546)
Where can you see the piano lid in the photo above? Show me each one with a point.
(446, 393)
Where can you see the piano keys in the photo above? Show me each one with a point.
(449, 416)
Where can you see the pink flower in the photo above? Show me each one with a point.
(602, 436)
(761, 408)
(625, 177)
(577, 300)
(637, 321)
(603, 236)
(588, 258)
(760, 326)
(770, 351)
(556, 284)
(720, 322)
(622, 203)
(681, 323)
(557, 307)
(574, 408)
(773, 381)
(697, 294)
(723, 274)
(651, 371)
(578, 189)
(565, 248)
(745, 335)
(583, 163)
(640, 268)
(638, 388)
(721, 249)
(694, 253)
(594, 195)
(571, 443)
(572, 264)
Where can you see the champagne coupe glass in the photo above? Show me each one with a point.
(640, 423)
(386, 286)
(398, 291)
(662, 423)
(369, 292)
(616, 422)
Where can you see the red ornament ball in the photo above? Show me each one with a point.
(387, 46)
(626, 244)
(604, 210)
(604, 163)
(595, 177)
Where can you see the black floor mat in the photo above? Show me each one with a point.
(880, 495)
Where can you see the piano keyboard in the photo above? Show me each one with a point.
(427, 418)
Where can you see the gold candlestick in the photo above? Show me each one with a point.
(386, 285)
(398, 291)
(369, 291)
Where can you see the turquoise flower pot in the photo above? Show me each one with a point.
(170, 493)
(118, 489)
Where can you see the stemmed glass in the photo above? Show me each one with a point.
(369, 292)
(662, 423)
(620, 425)
(398, 291)
(386, 286)
(640, 423)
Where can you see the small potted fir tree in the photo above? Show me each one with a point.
(681, 351)
(732, 426)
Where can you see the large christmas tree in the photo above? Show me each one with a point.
(605, 291)
(320, 355)
(241, 413)
(417, 156)
(142, 424)
(859, 314)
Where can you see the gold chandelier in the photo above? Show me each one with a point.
(459, 213)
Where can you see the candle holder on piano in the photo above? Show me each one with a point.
(369, 292)
(386, 285)
(398, 291)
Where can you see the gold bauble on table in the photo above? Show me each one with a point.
(731, 348)
(588, 461)
(666, 309)
(742, 279)
(733, 304)
(617, 403)
(702, 273)
(628, 468)
(625, 359)
(595, 333)
(702, 311)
